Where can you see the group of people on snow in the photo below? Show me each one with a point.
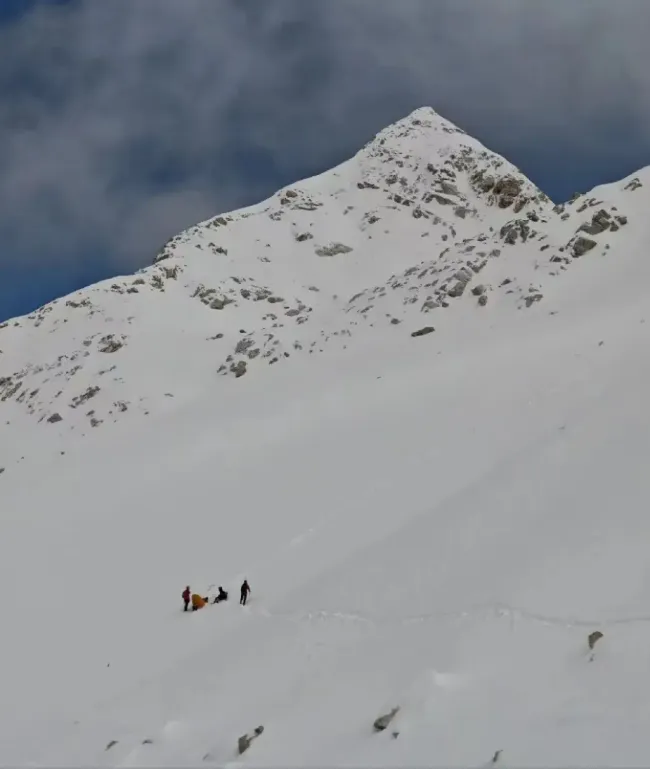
(198, 602)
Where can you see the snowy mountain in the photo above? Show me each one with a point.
(406, 399)
(377, 242)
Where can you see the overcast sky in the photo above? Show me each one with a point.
(124, 121)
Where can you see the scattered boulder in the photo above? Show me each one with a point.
(333, 249)
(423, 331)
(239, 368)
(482, 181)
(109, 344)
(431, 196)
(462, 278)
(55, 418)
(89, 393)
(448, 188)
(82, 303)
(244, 742)
(510, 232)
(482, 300)
(208, 296)
(635, 184)
(600, 222)
(594, 638)
(532, 298)
(383, 722)
(243, 345)
(111, 744)
(506, 189)
(171, 273)
(582, 246)
(478, 290)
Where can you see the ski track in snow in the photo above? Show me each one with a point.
(494, 610)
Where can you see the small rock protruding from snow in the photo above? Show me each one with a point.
(423, 331)
(582, 245)
(381, 723)
(333, 249)
(593, 638)
(244, 742)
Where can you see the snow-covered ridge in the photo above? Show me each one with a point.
(423, 219)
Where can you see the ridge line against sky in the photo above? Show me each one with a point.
(122, 123)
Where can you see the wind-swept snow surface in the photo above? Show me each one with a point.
(434, 524)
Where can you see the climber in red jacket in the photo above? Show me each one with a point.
(186, 597)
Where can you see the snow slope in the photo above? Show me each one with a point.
(435, 523)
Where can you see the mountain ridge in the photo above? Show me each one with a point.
(418, 221)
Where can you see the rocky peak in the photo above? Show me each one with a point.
(436, 163)
(421, 219)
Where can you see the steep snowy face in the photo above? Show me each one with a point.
(422, 222)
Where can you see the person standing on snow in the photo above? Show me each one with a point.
(244, 591)
(186, 597)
